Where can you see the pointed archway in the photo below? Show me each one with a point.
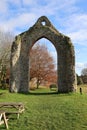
(19, 79)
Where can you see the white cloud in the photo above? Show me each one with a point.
(75, 21)
(79, 36)
(36, 7)
(28, 2)
(80, 66)
(3, 6)
(15, 2)
(20, 21)
(64, 13)
(75, 26)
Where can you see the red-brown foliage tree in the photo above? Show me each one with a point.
(42, 65)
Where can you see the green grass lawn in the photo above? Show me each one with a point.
(45, 110)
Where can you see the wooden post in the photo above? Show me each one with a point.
(80, 90)
(5, 120)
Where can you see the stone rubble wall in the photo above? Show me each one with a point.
(19, 79)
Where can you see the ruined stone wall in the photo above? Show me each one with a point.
(19, 81)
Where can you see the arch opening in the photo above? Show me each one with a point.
(43, 66)
(43, 23)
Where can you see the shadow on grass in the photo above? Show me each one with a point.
(48, 93)
(42, 93)
(39, 93)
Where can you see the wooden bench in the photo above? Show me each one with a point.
(3, 119)
(18, 108)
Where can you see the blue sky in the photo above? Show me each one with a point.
(68, 16)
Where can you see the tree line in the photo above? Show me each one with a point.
(82, 79)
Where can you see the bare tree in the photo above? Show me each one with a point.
(84, 75)
(84, 72)
(42, 65)
(6, 39)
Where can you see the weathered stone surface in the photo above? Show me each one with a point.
(19, 80)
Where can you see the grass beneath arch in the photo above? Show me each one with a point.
(48, 111)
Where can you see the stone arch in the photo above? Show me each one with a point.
(19, 79)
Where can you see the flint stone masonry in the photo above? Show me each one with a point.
(19, 63)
